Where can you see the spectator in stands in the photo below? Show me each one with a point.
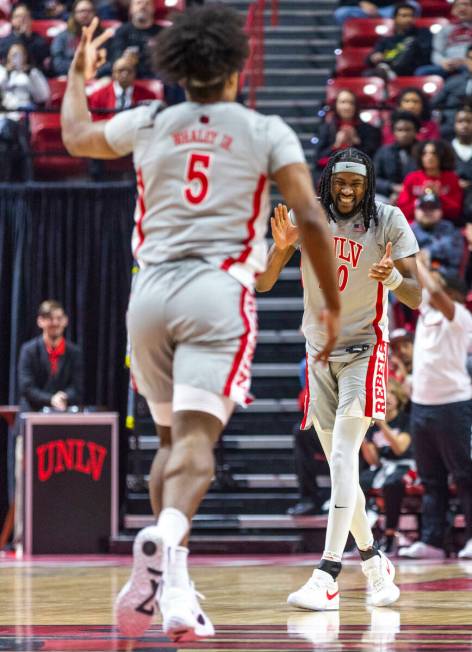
(440, 241)
(343, 128)
(401, 359)
(441, 413)
(450, 44)
(50, 367)
(462, 145)
(368, 9)
(121, 93)
(22, 86)
(136, 37)
(387, 450)
(436, 174)
(50, 9)
(64, 44)
(415, 101)
(22, 32)
(402, 52)
(456, 91)
(393, 162)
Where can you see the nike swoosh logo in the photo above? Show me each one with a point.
(340, 507)
(330, 597)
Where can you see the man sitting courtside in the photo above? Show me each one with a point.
(50, 367)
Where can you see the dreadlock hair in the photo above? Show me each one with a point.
(201, 49)
(367, 207)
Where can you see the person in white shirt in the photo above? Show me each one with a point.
(441, 412)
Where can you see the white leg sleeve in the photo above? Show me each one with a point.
(348, 434)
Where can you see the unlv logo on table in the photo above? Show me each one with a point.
(63, 455)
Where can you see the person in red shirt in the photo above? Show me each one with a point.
(414, 101)
(119, 94)
(435, 174)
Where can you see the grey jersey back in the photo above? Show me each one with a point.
(202, 173)
(364, 301)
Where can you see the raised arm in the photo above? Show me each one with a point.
(439, 299)
(285, 235)
(81, 136)
(295, 184)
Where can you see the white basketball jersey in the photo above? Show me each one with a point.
(202, 174)
(364, 301)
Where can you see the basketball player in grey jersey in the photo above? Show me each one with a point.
(375, 250)
(201, 215)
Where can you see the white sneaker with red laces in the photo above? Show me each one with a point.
(183, 619)
(320, 593)
(135, 604)
(380, 573)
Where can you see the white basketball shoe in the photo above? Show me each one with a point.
(380, 573)
(320, 593)
(135, 605)
(183, 619)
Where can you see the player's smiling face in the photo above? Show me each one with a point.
(347, 191)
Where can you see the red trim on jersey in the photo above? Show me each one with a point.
(256, 207)
(244, 352)
(141, 208)
(369, 380)
(307, 395)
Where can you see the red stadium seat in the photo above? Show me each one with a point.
(350, 62)
(154, 86)
(370, 91)
(429, 84)
(365, 31)
(48, 28)
(111, 24)
(50, 159)
(57, 86)
(165, 7)
(435, 8)
(433, 24)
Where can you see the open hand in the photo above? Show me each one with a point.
(89, 55)
(285, 234)
(381, 270)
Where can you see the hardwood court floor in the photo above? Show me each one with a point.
(66, 604)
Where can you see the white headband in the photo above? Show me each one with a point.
(350, 166)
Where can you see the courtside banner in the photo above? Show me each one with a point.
(70, 482)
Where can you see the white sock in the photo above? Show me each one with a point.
(172, 525)
(177, 570)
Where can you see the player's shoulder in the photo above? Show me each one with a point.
(389, 215)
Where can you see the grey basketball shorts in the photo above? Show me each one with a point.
(357, 388)
(192, 324)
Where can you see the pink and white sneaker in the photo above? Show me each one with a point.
(183, 619)
(136, 603)
(320, 593)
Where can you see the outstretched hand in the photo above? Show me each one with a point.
(89, 55)
(381, 270)
(285, 234)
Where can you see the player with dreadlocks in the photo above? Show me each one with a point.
(201, 217)
(375, 250)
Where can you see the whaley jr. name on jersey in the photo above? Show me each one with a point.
(205, 136)
(63, 455)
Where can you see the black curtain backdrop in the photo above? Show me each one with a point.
(70, 243)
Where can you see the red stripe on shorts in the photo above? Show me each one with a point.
(307, 395)
(369, 380)
(256, 207)
(141, 209)
(245, 352)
